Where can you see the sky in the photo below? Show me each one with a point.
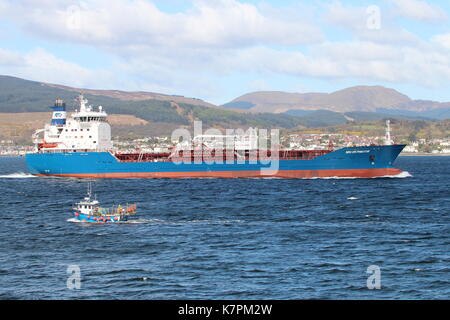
(217, 50)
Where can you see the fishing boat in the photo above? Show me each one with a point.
(89, 210)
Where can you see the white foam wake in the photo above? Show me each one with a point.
(17, 175)
(330, 178)
(139, 221)
(403, 174)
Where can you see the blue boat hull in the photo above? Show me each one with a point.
(97, 219)
(364, 162)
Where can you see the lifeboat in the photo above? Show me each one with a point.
(47, 145)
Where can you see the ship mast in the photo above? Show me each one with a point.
(89, 192)
(388, 140)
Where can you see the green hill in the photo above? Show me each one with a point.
(18, 95)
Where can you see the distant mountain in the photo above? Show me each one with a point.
(135, 95)
(156, 113)
(325, 118)
(11, 85)
(19, 95)
(360, 98)
(239, 105)
(439, 114)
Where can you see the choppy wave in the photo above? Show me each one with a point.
(17, 175)
(187, 232)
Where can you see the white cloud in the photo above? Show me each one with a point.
(221, 23)
(442, 40)
(41, 65)
(134, 75)
(150, 73)
(356, 20)
(8, 58)
(352, 60)
(189, 52)
(419, 10)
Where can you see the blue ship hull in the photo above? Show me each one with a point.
(368, 161)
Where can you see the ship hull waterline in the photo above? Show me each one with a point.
(287, 174)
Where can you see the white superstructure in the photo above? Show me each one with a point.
(87, 206)
(86, 130)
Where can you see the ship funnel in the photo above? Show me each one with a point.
(59, 113)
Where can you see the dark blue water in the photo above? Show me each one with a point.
(230, 239)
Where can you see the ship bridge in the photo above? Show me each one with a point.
(86, 130)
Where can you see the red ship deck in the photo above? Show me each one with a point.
(191, 155)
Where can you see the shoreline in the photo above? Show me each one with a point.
(424, 154)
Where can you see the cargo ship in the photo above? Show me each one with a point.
(80, 146)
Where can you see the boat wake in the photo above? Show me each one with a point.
(331, 178)
(403, 174)
(17, 175)
(157, 221)
(74, 220)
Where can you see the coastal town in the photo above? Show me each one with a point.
(300, 141)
